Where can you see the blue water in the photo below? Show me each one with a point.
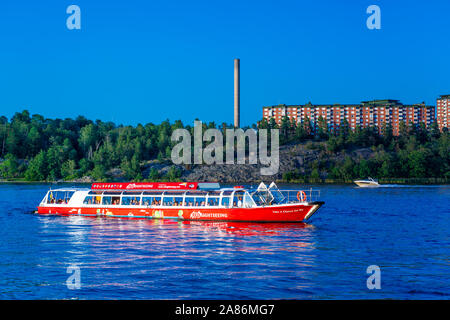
(402, 229)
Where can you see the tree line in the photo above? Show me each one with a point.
(38, 149)
(35, 148)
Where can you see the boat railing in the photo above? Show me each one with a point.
(305, 195)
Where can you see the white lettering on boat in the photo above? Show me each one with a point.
(204, 215)
(288, 211)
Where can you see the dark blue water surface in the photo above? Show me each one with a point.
(402, 229)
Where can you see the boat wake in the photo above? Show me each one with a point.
(407, 186)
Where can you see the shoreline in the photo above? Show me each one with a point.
(399, 181)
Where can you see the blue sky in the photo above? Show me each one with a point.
(146, 61)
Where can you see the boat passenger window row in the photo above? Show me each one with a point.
(92, 200)
(172, 201)
(225, 201)
(131, 201)
(213, 201)
(111, 200)
(151, 201)
(195, 201)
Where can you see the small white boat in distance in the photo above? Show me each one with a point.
(369, 183)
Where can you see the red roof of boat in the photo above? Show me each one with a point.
(145, 186)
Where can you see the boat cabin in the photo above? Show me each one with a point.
(142, 195)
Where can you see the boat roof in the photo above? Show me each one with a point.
(70, 189)
(151, 186)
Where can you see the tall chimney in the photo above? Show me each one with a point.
(236, 93)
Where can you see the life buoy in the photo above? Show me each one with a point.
(301, 196)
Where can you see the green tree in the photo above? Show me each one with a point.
(153, 174)
(307, 127)
(131, 168)
(9, 167)
(417, 161)
(315, 174)
(174, 173)
(434, 130)
(37, 169)
(68, 170)
(322, 128)
(88, 140)
(364, 169)
(99, 172)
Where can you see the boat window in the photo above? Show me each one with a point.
(153, 193)
(115, 201)
(238, 199)
(59, 197)
(168, 201)
(151, 201)
(262, 195)
(106, 200)
(278, 196)
(112, 193)
(189, 201)
(96, 192)
(196, 193)
(174, 193)
(248, 202)
(131, 201)
(200, 201)
(91, 200)
(97, 199)
(213, 201)
(132, 193)
(178, 201)
(172, 201)
(88, 200)
(226, 201)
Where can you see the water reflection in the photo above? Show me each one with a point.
(248, 228)
(152, 256)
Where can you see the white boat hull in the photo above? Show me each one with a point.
(367, 184)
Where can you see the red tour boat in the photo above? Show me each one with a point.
(184, 201)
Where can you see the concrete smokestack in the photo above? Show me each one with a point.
(236, 93)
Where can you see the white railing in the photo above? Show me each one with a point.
(264, 198)
(305, 195)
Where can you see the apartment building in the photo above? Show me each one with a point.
(373, 113)
(443, 111)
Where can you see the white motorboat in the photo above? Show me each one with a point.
(368, 183)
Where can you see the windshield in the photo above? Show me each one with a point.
(278, 197)
(262, 197)
(59, 197)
